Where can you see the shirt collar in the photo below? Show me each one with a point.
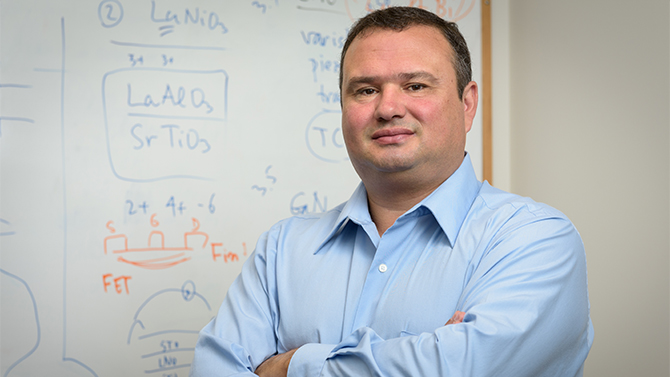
(451, 201)
(449, 204)
(355, 210)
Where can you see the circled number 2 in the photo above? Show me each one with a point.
(110, 13)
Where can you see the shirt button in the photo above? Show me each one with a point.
(382, 268)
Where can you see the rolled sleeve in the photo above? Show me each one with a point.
(309, 359)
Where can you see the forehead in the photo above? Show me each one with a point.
(379, 48)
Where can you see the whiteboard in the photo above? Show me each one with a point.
(145, 147)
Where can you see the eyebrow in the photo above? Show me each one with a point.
(404, 76)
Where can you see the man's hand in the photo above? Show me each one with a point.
(457, 318)
(276, 366)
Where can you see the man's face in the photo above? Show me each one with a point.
(400, 106)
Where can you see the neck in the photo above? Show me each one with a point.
(391, 194)
(387, 201)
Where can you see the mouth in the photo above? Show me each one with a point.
(393, 135)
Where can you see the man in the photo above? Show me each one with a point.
(369, 287)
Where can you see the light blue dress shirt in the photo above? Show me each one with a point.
(358, 304)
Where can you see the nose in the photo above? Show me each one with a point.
(390, 104)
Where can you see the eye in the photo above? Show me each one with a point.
(366, 92)
(415, 87)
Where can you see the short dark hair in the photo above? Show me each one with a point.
(400, 18)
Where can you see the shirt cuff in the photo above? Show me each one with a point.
(309, 359)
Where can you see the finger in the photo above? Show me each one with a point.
(456, 318)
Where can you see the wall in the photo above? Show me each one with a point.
(500, 91)
(588, 89)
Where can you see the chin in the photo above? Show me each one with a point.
(394, 166)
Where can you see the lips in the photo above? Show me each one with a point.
(392, 135)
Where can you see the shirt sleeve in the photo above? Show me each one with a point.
(527, 314)
(242, 335)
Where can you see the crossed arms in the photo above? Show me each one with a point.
(526, 315)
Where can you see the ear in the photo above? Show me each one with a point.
(470, 99)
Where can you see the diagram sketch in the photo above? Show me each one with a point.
(165, 343)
